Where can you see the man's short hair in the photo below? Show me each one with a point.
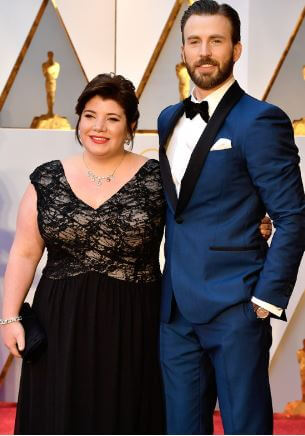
(211, 7)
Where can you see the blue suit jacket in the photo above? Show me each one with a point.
(215, 254)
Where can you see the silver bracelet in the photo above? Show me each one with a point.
(10, 320)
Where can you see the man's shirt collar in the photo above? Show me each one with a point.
(214, 98)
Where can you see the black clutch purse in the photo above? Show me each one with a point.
(35, 336)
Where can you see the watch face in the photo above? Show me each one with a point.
(262, 313)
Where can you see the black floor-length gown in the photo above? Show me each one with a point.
(98, 300)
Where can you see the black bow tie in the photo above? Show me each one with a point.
(192, 109)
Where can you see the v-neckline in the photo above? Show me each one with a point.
(108, 199)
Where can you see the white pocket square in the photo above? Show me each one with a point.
(221, 144)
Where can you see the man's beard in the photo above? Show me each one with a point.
(207, 80)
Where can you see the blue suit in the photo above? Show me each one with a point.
(216, 260)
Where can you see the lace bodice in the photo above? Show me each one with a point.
(120, 239)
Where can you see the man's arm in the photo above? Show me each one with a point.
(273, 164)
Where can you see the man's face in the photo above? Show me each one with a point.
(208, 50)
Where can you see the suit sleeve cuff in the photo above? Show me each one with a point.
(277, 311)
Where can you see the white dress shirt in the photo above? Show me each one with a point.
(182, 143)
(186, 135)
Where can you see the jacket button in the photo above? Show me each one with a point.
(179, 220)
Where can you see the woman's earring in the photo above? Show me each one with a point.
(127, 140)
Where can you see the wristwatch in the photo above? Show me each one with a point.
(261, 313)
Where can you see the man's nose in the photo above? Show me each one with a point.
(205, 49)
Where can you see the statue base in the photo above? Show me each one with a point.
(295, 408)
(299, 127)
(51, 122)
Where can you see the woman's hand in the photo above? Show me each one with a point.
(13, 337)
(266, 227)
(25, 254)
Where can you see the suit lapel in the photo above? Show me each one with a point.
(167, 178)
(196, 162)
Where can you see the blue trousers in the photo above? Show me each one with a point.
(228, 359)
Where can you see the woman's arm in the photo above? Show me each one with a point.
(24, 256)
(266, 227)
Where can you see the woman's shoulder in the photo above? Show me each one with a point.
(45, 171)
(47, 167)
(54, 168)
(148, 175)
(146, 163)
(153, 163)
(152, 167)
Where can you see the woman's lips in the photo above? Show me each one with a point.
(99, 139)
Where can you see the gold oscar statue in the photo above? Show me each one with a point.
(298, 407)
(50, 70)
(184, 80)
(299, 125)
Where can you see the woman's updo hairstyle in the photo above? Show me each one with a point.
(112, 87)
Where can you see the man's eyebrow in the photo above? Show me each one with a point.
(216, 35)
(193, 37)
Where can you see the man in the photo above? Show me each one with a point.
(224, 164)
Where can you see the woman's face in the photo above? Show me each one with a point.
(103, 127)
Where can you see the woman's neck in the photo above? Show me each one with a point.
(103, 164)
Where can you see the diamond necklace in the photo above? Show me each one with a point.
(99, 180)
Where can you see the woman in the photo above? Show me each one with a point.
(100, 215)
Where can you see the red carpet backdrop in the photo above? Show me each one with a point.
(282, 424)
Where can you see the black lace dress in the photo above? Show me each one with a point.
(98, 300)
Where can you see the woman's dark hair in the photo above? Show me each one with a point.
(114, 87)
(211, 7)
